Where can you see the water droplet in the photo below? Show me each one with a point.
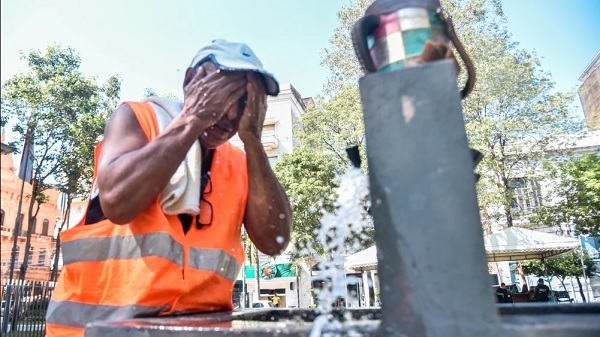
(205, 134)
(218, 71)
(270, 207)
(214, 115)
(281, 216)
(279, 239)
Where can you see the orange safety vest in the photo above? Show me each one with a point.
(149, 267)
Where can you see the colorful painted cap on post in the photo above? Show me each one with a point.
(234, 56)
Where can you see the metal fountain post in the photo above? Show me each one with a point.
(432, 263)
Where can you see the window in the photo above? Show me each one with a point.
(527, 196)
(42, 257)
(30, 256)
(45, 225)
(20, 231)
(2, 218)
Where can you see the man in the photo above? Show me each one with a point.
(503, 295)
(143, 249)
(541, 292)
(275, 299)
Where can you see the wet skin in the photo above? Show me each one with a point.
(217, 104)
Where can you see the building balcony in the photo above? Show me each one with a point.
(269, 140)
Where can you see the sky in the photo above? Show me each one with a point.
(150, 43)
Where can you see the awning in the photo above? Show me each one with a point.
(519, 244)
(363, 260)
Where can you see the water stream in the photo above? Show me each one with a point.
(341, 234)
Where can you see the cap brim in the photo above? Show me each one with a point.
(232, 64)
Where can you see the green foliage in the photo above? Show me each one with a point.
(339, 57)
(65, 110)
(310, 179)
(512, 115)
(340, 118)
(562, 266)
(578, 189)
(65, 113)
(151, 92)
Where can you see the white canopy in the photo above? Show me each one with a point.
(518, 244)
(363, 260)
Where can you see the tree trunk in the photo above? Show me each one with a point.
(31, 220)
(522, 277)
(509, 217)
(580, 288)
(562, 281)
(66, 216)
(507, 199)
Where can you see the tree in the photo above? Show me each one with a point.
(65, 112)
(577, 188)
(151, 92)
(512, 116)
(340, 118)
(566, 265)
(337, 113)
(310, 179)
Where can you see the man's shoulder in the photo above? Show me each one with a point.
(234, 149)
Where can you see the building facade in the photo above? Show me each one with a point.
(278, 138)
(589, 93)
(42, 244)
(278, 129)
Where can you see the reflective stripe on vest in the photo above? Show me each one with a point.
(152, 244)
(77, 314)
(123, 247)
(215, 260)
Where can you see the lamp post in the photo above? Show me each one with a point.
(587, 288)
(47, 247)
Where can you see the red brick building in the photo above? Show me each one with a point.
(42, 242)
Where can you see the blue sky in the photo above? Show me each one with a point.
(150, 43)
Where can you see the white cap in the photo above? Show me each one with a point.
(234, 56)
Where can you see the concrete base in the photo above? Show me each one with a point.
(431, 257)
(522, 319)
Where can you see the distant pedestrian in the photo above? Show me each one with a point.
(503, 295)
(541, 292)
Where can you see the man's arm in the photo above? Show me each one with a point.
(132, 171)
(268, 217)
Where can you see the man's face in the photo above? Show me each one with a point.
(227, 126)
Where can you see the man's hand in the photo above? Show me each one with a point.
(211, 94)
(434, 51)
(253, 117)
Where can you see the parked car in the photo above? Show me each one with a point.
(263, 304)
